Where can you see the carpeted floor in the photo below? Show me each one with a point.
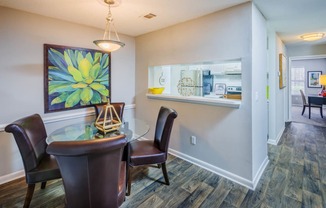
(315, 116)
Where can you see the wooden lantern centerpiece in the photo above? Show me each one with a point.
(108, 119)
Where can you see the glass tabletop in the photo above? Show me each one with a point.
(133, 129)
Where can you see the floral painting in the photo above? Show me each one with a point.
(75, 77)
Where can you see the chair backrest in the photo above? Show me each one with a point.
(304, 101)
(119, 107)
(90, 170)
(163, 127)
(30, 134)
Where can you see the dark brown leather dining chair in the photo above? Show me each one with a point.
(313, 105)
(118, 106)
(146, 152)
(30, 134)
(92, 171)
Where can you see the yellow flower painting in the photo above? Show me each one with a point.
(75, 77)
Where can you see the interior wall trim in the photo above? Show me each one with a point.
(51, 119)
(226, 174)
(68, 116)
(295, 58)
(260, 172)
(233, 177)
(277, 139)
(11, 176)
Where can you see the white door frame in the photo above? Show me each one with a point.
(296, 58)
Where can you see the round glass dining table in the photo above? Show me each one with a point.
(133, 129)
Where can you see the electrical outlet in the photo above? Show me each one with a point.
(193, 140)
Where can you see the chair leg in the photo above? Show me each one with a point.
(129, 182)
(29, 195)
(165, 174)
(321, 112)
(43, 184)
(303, 109)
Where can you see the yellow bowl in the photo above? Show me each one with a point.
(156, 90)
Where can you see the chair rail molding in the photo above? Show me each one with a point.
(68, 116)
(51, 119)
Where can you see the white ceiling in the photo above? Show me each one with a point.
(128, 16)
(290, 18)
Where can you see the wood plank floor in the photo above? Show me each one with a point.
(295, 177)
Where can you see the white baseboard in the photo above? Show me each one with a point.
(260, 172)
(233, 177)
(11, 176)
(277, 139)
(242, 181)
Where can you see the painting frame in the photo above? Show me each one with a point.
(313, 79)
(75, 77)
(282, 71)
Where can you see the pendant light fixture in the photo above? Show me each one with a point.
(108, 44)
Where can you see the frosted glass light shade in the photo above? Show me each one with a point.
(109, 45)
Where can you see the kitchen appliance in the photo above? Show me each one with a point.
(207, 82)
(220, 89)
(233, 92)
(233, 89)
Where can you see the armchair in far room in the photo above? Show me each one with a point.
(313, 105)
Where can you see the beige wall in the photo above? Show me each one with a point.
(22, 36)
(224, 135)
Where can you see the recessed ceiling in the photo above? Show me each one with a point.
(289, 18)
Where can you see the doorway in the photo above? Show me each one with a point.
(300, 69)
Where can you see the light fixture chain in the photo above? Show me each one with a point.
(107, 43)
(115, 31)
(109, 21)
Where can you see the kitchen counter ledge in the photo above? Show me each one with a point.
(230, 103)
